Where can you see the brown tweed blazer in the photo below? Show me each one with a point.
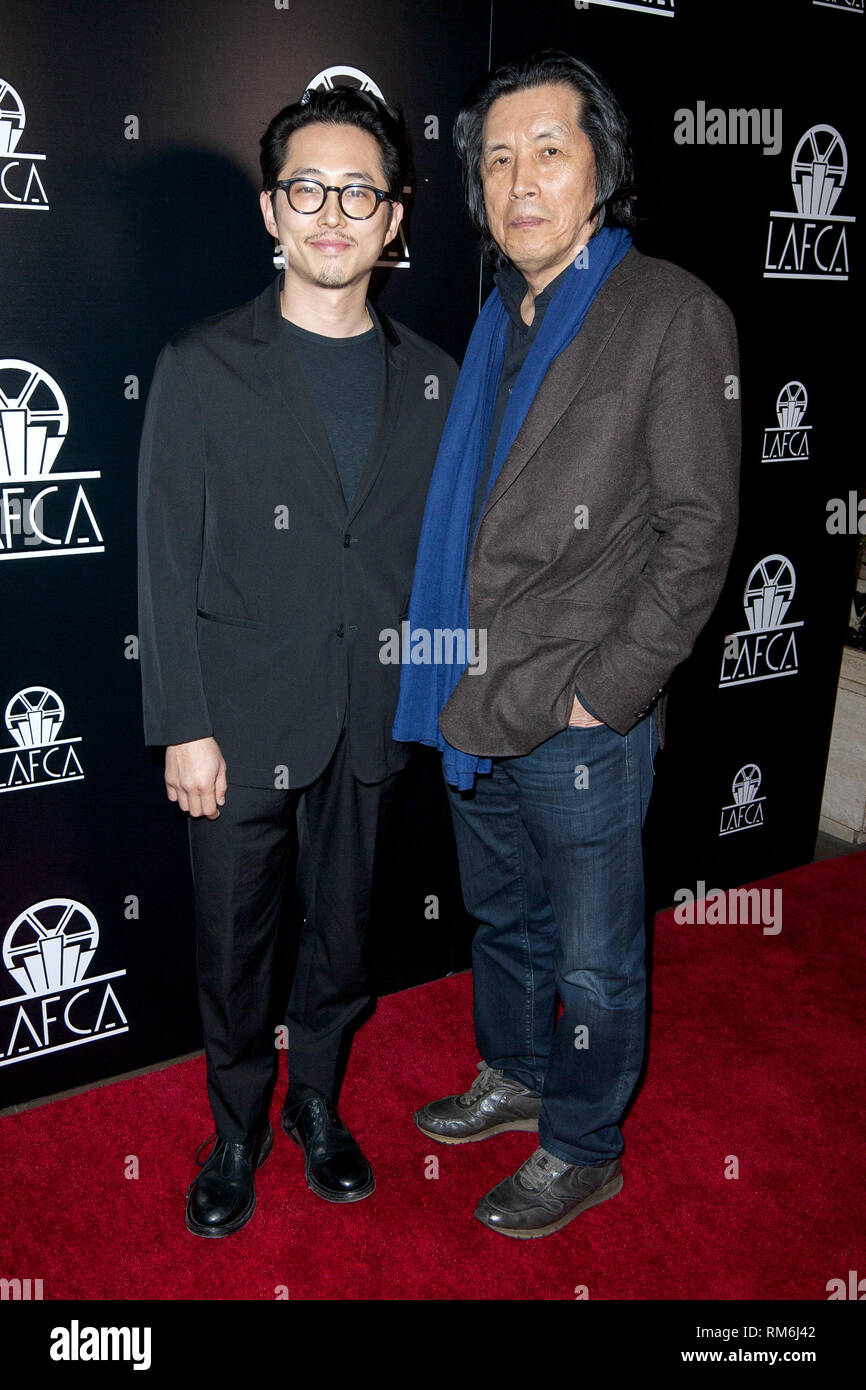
(638, 423)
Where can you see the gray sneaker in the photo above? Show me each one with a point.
(545, 1194)
(494, 1103)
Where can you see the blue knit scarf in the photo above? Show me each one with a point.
(440, 593)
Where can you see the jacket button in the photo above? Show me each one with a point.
(341, 630)
(347, 540)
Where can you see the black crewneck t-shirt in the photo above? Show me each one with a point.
(344, 376)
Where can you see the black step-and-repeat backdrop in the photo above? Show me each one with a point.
(128, 205)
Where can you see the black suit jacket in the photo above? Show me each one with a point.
(259, 591)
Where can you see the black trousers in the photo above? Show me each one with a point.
(246, 866)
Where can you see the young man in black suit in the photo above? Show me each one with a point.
(285, 458)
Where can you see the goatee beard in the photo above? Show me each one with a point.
(331, 274)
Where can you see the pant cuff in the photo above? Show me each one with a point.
(569, 1153)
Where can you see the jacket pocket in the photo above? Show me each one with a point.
(230, 622)
(605, 400)
(563, 617)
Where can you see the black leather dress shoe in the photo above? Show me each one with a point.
(336, 1169)
(223, 1197)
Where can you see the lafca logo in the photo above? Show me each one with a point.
(812, 243)
(20, 184)
(47, 951)
(788, 442)
(42, 512)
(747, 809)
(396, 253)
(38, 757)
(660, 7)
(768, 647)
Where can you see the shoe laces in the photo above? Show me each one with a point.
(486, 1080)
(202, 1161)
(318, 1103)
(224, 1143)
(539, 1169)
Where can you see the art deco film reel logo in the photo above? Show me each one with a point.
(659, 7)
(38, 756)
(47, 951)
(746, 811)
(767, 648)
(788, 441)
(396, 254)
(42, 511)
(812, 242)
(20, 184)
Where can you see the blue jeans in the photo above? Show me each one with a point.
(551, 865)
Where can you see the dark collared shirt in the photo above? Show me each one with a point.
(519, 337)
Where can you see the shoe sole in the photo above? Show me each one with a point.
(237, 1221)
(602, 1195)
(525, 1126)
(323, 1192)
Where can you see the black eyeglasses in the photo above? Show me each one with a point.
(357, 200)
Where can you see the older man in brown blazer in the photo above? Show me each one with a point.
(589, 474)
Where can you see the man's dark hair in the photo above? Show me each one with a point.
(600, 117)
(340, 106)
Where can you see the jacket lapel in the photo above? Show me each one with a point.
(567, 374)
(273, 352)
(390, 399)
(276, 356)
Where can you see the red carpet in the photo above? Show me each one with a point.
(757, 1051)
